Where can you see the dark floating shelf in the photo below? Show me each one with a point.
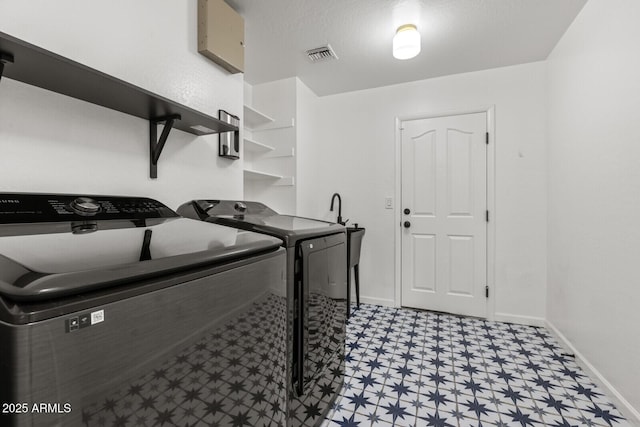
(39, 67)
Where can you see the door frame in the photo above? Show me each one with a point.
(491, 177)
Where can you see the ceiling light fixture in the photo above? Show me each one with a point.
(406, 42)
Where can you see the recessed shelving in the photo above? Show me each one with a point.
(280, 152)
(254, 118)
(255, 174)
(278, 180)
(273, 126)
(285, 181)
(256, 147)
(265, 151)
(261, 154)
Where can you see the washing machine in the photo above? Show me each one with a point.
(117, 311)
(316, 298)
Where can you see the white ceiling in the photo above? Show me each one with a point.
(457, 36)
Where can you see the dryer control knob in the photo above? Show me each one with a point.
(240, 207)
(85, 206)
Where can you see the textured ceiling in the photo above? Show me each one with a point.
(457, 36)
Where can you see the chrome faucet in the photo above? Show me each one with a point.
(333, 198)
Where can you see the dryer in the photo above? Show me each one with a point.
(316, 298)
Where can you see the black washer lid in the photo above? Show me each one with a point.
(255, 216)
(46, 260)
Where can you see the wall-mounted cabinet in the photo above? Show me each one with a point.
(221, 34)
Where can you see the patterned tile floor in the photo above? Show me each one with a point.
(233, 376)
(416, 368)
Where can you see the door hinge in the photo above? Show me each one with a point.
(487, 138)
(486, 291)
(487, 215)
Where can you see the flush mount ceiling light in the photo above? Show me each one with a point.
(406, 42)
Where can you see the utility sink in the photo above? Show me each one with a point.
(354, 243)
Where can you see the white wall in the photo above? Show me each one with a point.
(278, 100)
(594, 190)
(51, 143)
(307, 144)
(354, 154)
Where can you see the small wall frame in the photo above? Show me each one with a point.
(229, 143)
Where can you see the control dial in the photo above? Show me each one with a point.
(84, 227)
(240, 207)
(85, 206)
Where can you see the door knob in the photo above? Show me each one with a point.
(407, 224)
(407, 211)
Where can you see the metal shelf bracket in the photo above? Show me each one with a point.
(156, 145)
(5, 58)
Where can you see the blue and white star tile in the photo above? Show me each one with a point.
(478, 408)
(396, 412)
(368, 382)
(358, 401)
(443, 402)
(488, 373)
(400, 390)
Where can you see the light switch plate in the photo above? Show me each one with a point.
(388, 202)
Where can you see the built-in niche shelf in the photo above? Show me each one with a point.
(256, 147)
(33, 65)
(256, 122)
(278, 180)
(265, 151)
(273, 126)
(280, 152)
(255, 174)
(254, 118)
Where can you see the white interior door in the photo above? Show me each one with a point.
(444, 214)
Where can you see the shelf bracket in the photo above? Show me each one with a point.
(5, 58)
(156, 145)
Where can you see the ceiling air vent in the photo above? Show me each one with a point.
(323, 53)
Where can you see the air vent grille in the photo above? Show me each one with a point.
(323, 53)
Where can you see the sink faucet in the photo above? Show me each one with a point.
(333, 198)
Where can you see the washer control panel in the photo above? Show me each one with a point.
(28, 207)
(85, 206)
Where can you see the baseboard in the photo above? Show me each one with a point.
(632, 414)
(499, 317)
(519, 319)
(377, 301)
